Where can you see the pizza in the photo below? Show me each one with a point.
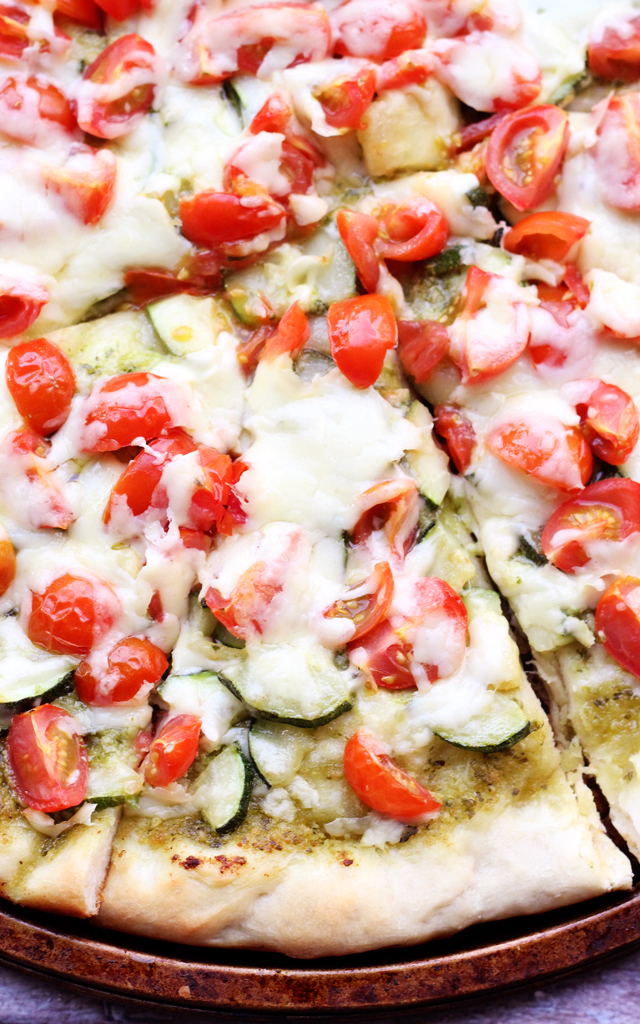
(319, 466)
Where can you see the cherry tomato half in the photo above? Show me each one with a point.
(367, 604)
(173, 751)
(289, 337)
(31, 107)
(138, 485)
(13, 32)
(376, 29)
(361, 331)
(103, 109)
(618, 622)
(548, 235)
(391, 506)
(119, 10)
(244, 612)
(544, 449)
(345, 100)
(41, 382)
(609, 421)
(421, 346)
(20, 305)
(452, 424)
(7, 561)
(384, 656)
(85, 12)
(214, 219)
(133, 665)
(380, 784)
(608, 510)
(48, 761)
(72, 614)
(417, 229)
(615, 54)
(127, 407)
(358, 232)
(86, 182)
(525, 152)
(617, 152)
(210, 493)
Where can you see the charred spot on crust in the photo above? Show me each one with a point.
(228, 863)
(190, 862)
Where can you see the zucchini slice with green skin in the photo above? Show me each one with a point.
(113, 760)
(277, 750)
(21, 693)
(502, 727)
(307, 711)
(223, 790)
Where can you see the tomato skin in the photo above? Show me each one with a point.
(119, 10)
(616, 56)
(417, 230)
(617, 153)
(618, 622)
(85, 183)
(173, 751)
(547, 235)
(20, 305)
(410, 68)
(551, 453)
(72, 614)
(45, 108)
(85, 12)
(609, 421)
(211, 494)
(361, 331)
(41, 382)
(608, 510)
(133, 664)
(378, 31)
(345, 100)
(213, 219)
(13, 32)
(147, 284)
(392, 506)
(452, 424)
(525, 152)
(380, 784)
(47, 504)
(421, 346)
(365, 610)
(387, 655)
(101, 109)
(358, 232)
(289, 337)
(473, 133)
(7, 561)
(141, 412)
(139, 482)
(48, 762)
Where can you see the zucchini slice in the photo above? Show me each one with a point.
(223, 790)
(26, 672)
(187, 323)
(277, 750)
(502, 727)
(113, 760)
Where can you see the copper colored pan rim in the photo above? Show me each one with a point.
(46, 944)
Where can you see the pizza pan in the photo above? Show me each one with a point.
(484, 958)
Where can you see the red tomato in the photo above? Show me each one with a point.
(615, 54)
(244, 612)
(417, 229)
(13, 32)
(33, 110)
(85, 12)
(20, 305)
(410, 68)
(366, 604)
(125, 408)
(618, 622)
(211, 492)
(421, 346)
(384, 656)
(47, 505)
(358, 232)
(455, 428)
(147, 285)
(473, 133)
(249, 352)
(345, 100)
(617, 152)
(120, 10)
(380, 784)
(480, 346)
(214, 219)
(548, 235)
(72, 614)
(544, 449)
(289, 337)
(47, 760)
(361, 331)
(139, 484)
(525, 153)
(86, 182)
(42, 384)
(195, 539)
(391, 506)
(173, 751)
(575, 284)
(608, 510)
(103, 107)
(7, 561)
(377, 29)
(274, 115)
(132, 666)
(609, 420)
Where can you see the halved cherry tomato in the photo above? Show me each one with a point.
(48, 762)
(86, 182)
(249, 351)
(132, 666)
(615, 54)
(575, 284)
(377, 29)
(211, 492)
(214, 219)
(274, 115)
(525, 152)
(47, 506)
(548, 235)
(544, 449)
(484, 344)
(608, 510)
(473, 133)
(417, 229)
(452, 424)
(41, 382)
(72, 614)
(148, 284)
(20, 305)
(421, 346)
(618, 622)
(609, 420)
(289, 337)
(410, 68)
(358, 232)
(366, 604)
(13, 32)
(85, 12)
(384, 656)
(392, 506)
(31, 107)
(195, 539)
(361, 331)
(380, 784)
(104, 108)
(173, 751)
(345, 100)
(139, 484)
(125, 408)
(7, 561)
(244, 612)
(617, 152)
(119, 10)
